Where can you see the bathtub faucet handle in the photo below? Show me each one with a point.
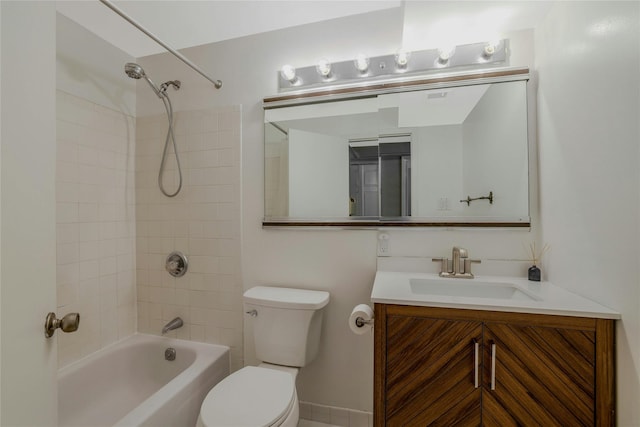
(252, 313)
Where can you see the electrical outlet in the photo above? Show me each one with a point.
(443, 204)
(383, 244)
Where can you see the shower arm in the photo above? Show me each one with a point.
(216, 83)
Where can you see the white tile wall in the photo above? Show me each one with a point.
(95, 224)
(202, 221)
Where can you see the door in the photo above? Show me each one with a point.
(395, 179)
(540, 376)
(363, 189)
(27, 213)
(431, 368)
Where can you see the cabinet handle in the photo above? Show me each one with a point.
(476, 358)
(493, 366)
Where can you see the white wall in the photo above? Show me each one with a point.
(92, 69)
(588, 63)
(325, 159)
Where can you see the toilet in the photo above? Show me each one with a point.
(286, 332)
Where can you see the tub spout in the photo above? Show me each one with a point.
(174, 324)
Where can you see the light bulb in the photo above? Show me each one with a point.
(362, 63)
(288, 73)
(402, 58)
(324, 67)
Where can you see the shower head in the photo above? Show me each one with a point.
(136, 72)
(133, 70)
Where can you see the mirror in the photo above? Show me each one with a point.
(449, 155)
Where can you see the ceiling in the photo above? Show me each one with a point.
(186, 23)
(183, 23)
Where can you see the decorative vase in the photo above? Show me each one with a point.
(534, 273)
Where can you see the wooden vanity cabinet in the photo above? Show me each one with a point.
(452, 367)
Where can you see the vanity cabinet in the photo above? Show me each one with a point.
(446, 367)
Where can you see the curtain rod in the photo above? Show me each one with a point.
(216, 83)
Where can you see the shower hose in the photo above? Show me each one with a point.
(170, 137)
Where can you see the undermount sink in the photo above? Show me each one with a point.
(468, 288)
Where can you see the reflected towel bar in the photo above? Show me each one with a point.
(468, 200)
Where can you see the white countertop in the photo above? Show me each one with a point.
(394, 288)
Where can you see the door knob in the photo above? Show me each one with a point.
(68, 323)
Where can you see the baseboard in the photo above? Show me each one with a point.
(336, 416)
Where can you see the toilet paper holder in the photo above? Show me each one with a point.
(361, 319)
(360, 322)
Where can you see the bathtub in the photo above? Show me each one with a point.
(131, 384)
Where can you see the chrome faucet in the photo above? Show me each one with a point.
(174, 324)
(460, 264)
(459, 253)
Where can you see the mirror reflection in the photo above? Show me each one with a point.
(458, 153)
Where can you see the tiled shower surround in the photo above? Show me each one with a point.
(115, 228)
(202, 221)
(95, 225)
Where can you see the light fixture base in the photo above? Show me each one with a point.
(419, 62)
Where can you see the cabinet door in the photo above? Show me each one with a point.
(431, 366)
(543, 376)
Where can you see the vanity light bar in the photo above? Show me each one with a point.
(324, 73)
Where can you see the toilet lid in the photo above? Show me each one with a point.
(252, 396)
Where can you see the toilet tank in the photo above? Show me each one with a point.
(286, 323)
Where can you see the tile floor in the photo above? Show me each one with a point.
(308, 423)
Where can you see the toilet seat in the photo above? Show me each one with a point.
(250, 397)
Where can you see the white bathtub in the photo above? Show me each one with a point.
(131, 384)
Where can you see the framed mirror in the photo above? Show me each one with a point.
(428, 154)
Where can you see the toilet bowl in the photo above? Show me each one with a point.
(286, 329)
(253, 396)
